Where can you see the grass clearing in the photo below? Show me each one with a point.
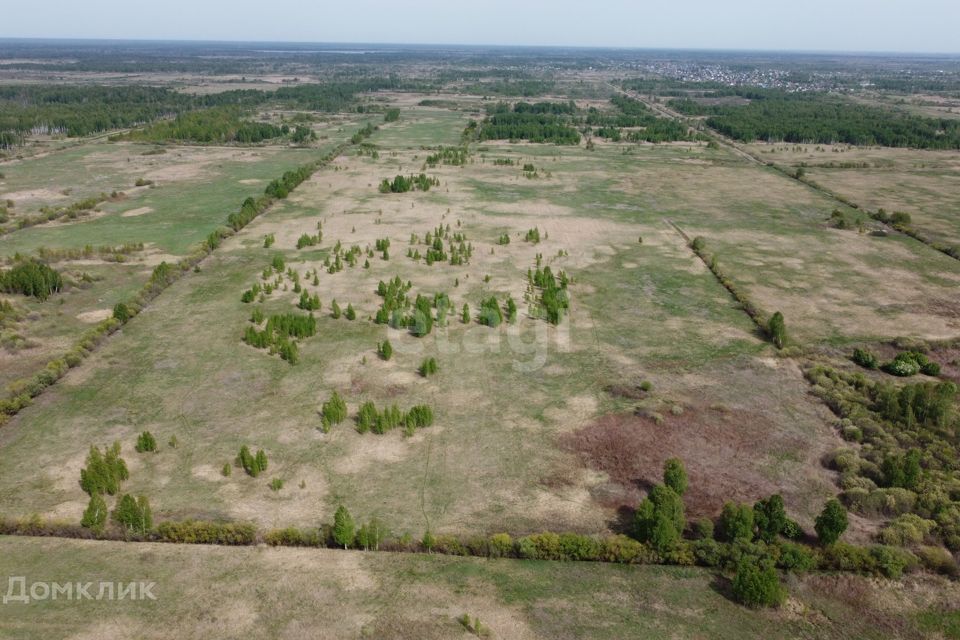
(218, 592)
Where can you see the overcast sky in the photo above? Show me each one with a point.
(834, 25)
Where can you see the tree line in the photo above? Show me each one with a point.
(85, 110)
(31, 278)
(821, 118)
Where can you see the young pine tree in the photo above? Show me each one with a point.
(660, 518)
(343, 527)
(675, 475)
(146, 442)
(95, 515)
(777, 330)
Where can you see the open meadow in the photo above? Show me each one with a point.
(358, 317)
(524, 411)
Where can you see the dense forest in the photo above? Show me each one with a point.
(539, 122)
(85, 110)
(820, 118)
(634, 114)
(80, 111)
(222, 124)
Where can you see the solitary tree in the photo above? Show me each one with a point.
(343, 527)
(832, 522)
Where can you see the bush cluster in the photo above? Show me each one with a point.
(254, 465)
(370, 419)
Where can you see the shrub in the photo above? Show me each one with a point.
(708, 552)
(201, 532)
(121, 312)
(146, 442)
(334, 411)
(540, 546)
(428, 367)
(864, 358)
(792, 530)
(777, 330)
(832, 522)
(892, 501)
(490, 313)
(703, 529)
(890, 561)
(939, 560)
(906, 529)
(757, 584)
(293, 537)
(795, 557)
(385, 350)
(252, 464)
(904, 365)
(500, 545)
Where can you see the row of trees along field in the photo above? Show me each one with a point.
(819, 118)
(85, 110)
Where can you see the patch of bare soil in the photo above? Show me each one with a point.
(94, 316)
(139, 211)
(723, 449)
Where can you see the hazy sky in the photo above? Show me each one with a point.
(836, 25)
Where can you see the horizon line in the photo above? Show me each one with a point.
(871, 52)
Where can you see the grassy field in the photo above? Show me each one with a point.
(537, 426)
(192, 191)
(517, 407)
(924, 184)
(216, 592)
